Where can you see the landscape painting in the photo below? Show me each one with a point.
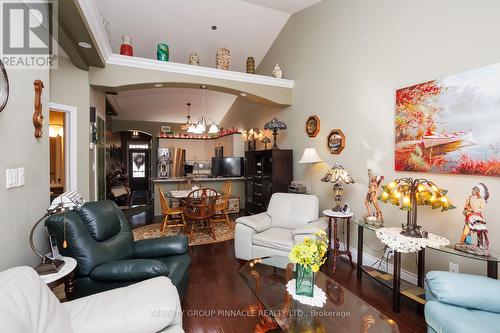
(451, 125)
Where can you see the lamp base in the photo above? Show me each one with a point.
(49, 266)
(337, 209)
(413, 232)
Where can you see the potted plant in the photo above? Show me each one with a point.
(308, 257)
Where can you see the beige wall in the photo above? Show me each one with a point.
(348, 58)
(97, 99)
(21, 207)
(70, 86)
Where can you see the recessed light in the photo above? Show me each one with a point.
(243, 94)
(203, 86)
(214, 27)
(85, 45)
(158, 85)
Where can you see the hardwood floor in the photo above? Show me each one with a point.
(216, 286)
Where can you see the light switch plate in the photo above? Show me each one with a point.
(20, 176)
(11, 178)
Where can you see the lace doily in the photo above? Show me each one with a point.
(404, 244)
(318, 299)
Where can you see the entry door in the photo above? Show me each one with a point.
(138, 166)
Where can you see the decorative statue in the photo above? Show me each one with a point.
(474, 222)
(277, 72)
(371, 199)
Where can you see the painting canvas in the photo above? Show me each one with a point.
(450, 125)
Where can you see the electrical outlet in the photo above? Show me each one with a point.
(453, 267)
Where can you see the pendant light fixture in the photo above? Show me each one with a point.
(188, 125)
(201, 127)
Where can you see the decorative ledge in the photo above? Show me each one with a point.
(173, 67)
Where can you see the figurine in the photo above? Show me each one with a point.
(194, 59)
(277, 72)
(371, 199)
(474, 222)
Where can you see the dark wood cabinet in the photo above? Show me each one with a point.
(266, 172)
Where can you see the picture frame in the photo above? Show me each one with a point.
(335, 141)
(312, 126)
(166, 129)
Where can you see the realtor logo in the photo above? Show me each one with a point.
(28, 34)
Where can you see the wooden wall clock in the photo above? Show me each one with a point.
(4, 87)
(38, 120)
(312, 126)
(335, 141)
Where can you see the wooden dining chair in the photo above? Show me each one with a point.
(199, 208)
(170, 212)
(222, 204)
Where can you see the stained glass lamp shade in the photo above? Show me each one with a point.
(70, 200)
(275, 125)
(338, 176)
(409, 193)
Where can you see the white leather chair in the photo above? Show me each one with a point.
(289, 218)
(28, 306)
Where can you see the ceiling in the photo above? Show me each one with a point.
(169, 104)
(246, 27)
(287, 6)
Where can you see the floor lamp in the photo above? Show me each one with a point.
(310, 156)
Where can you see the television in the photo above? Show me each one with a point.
(227, 166)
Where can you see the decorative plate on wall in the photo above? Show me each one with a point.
(336, 141)
(4, 87)
(312, 126)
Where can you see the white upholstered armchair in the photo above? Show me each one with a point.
(289, 218)
(27, 305)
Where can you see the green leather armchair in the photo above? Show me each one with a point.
(100, 239)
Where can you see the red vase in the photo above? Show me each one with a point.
(126, 47)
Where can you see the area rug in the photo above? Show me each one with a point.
(222, 233)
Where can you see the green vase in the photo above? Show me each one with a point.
(162, 52)
(304, 283)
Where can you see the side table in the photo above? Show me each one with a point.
(65, 275)
(332, 215)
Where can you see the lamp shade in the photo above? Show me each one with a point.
(310, 155)
(67, 201)
(337, 174)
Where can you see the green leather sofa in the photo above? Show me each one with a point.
(100, 239)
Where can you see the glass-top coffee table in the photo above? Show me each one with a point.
(343, 311)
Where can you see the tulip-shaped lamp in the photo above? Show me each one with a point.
(409, 193)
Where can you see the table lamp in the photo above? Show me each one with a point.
(275, 125)
(337, 175)
(67, 201)
(409, 193)
(310, 156)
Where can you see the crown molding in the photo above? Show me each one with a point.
(93, 18)
(114, 104)
(172, 67)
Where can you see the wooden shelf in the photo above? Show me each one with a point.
(408, 289)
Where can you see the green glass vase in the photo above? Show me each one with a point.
(162, 52)
(304, 283)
